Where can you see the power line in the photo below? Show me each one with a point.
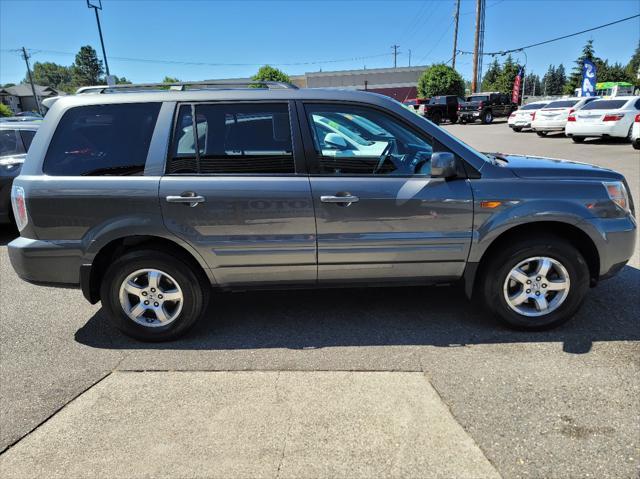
(194, 63)
(504, 52)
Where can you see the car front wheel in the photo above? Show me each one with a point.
(577, 139)
(536, 284)
(152, 296)
(541, 133)
(487, 117)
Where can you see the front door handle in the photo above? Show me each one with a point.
(342, 199)
(190, 198)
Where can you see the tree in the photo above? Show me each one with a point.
(5, 110)
(575, 79)
(7, 85)
(504, 82)
(559, 80)
(168, 79)
(633, 67)
(87, 69)
(440, 79)
(532, 85)
(52, 75)
(269, 73)
(491, 76)
(121, 81)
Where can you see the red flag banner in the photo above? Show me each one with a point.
(515, 94)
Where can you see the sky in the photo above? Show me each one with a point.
(147, 39)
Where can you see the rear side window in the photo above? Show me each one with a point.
(604, 105)
(99, 140)
(232, 139)
(27, 138)
(10, 143)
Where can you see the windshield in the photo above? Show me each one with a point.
(533, 106)
(478, 98)
(562, 104)
(604, 105)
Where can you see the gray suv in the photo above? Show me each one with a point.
(146, 198)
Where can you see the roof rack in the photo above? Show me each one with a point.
(181, 86)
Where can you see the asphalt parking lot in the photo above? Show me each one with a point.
(433, 374)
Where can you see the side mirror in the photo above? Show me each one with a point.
(336, 141)
(443, 165)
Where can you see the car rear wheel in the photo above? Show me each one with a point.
(536, 284)
(436, 118)
(541, 133)
(577, 139)
(152, 296)
(453, 119)
(487, 117)
(517, 129)
(636, 144)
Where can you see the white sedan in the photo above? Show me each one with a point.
(604, 118)
(635, 133)
(553, 117)
(521, 118)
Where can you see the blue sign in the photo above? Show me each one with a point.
(588, 79)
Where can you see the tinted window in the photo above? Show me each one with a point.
(562, 104)
(604, 105)
(10, 144)
(233, 139)
(533, 106)
(102, 140)
(360, 141)
(478, 98)
(27, 137)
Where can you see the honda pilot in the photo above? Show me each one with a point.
(147, 198)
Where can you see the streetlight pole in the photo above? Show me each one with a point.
(97, 5)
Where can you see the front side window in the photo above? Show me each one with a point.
(232, 139)
(361, 141)
(10, 144)
(102, 140)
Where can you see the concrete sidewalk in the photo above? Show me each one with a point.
(251, 424)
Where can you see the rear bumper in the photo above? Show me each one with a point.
(53, 263)
(577, 128)
(555, 125)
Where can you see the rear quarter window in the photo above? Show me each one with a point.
(99, 140)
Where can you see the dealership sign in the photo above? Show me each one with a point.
(588, 79)
(515, 94)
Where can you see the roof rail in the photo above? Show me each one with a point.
(181, 86)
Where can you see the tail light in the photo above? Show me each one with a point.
(481, 105)
(459, 107)
(512, 115)
(19, 207)
(637, 120)
(571, 118)
(572, 111)
(613, 117)
(533, 116)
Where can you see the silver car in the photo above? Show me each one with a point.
(146, 198)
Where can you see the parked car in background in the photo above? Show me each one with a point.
(29, 114)
(604, 118)
(553, 117)
(440, 108)
(635, 133)
(15, 139)
(151, 222)
(485, 107)
(17, 119)
(521, 118)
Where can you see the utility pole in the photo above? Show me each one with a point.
(25, 55)
(97, 5)
(395, 55)
(455, 34)
(478, 46)
(409, 56)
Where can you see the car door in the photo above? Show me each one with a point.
(379, 214)
(236, 188)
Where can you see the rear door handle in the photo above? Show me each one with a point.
(339, 199)
(190, 198)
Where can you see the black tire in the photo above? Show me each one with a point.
(517, 129)
(541, 133)
(504, 260)
(436, 118)
(453, 119)
(486, 117)
(577, 139)
(636, 144)
(195, 294)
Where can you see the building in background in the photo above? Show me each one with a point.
(20, 97)
(398, 83)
